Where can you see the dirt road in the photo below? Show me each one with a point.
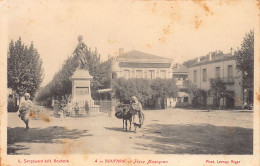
(170, 131)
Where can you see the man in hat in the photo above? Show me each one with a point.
(136, 108)
(25, 109)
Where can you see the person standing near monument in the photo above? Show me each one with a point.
(76, 109)
(25, 110)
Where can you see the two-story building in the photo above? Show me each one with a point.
(203, 69)
(137, 64)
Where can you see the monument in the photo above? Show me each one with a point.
(80, 52)
(81, 85)
(81, 81)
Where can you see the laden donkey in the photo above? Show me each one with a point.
(123, 112)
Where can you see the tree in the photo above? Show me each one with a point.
(163, 89)
(245, 60)
(245, 56)
(217, 90)
(24, 68)
(61, 84)
(124, 89)
(198, 96)
(191, 88)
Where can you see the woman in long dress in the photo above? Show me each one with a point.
(136, 111)
(25, 110)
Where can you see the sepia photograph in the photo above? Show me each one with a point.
(122, 81)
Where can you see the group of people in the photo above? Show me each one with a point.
(26, 105)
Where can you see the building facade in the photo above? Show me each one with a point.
(223, 68)
(180, 75)
(136, 64)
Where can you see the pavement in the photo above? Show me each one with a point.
(169, 131)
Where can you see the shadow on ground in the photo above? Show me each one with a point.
(52, 134)
(198, 139)
(119, 129)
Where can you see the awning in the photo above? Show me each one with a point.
(104, 90)
(183, 94)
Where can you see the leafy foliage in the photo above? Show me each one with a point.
(61, 84)
(245, 56)
(144, 89)
(199, 95)
(164, 88)
(191, 88)
(217, 90)
(24, 67)
(124, 89)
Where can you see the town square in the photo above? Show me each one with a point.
(150, 80)
(182, 132)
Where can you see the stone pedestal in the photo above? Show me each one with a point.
(81, 91)
(81, 85)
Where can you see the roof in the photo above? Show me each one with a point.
(223, 59)
(144, 65)
(81, 74)
(138, 56)
(180, 69)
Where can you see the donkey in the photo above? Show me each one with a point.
(124, 113)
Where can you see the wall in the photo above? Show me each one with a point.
(120, 71)
(211, 73)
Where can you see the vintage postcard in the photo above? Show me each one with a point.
(129, 82)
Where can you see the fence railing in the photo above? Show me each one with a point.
(82, 108)
(104, 105)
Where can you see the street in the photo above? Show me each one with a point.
(170, 131)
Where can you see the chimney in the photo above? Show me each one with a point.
(109, 56)
(198, 60)
(210, 58)
(231, 51)
(121, 51)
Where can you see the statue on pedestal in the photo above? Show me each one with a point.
(80, 52)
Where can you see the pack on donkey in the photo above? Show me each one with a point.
(132, 112)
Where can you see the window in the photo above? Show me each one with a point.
(150, 74)
(126, 74)
(204, 75)
(185, 99)
(217, 72)
(230, 72)
(163, 74)
(139, 74)
(195, 76)
(133, 74)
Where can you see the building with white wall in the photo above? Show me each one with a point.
(203, 69)
(137, 64)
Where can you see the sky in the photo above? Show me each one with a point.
(180, 30)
